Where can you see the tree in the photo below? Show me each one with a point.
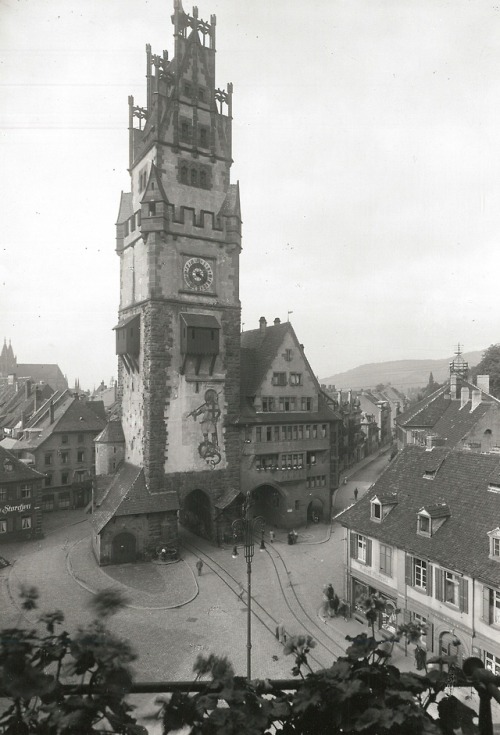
(490, 365)
(52, 683)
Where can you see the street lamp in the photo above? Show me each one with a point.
(246, 527)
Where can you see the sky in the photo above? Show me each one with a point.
(365, 141)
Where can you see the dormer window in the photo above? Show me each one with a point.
(494, 537)
(376, 511)
(381, 506)
(424, 525)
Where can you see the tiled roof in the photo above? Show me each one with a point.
(461, 482)
(19, 472)
(264, 346)
(231, 204)
(456, 422)
(70, 415)
(427, 412)
(227, 498)
(126, 209)
(111, 434)
(128, 495)
(50, 374)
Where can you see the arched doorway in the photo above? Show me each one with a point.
(197, 514)
(269, 503)
(315, 511)
(123, 548)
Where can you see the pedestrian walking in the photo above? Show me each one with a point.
(271, 536)
(325, 605)
(199, 566)
(355, 493)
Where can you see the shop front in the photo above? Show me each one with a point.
(388, 620)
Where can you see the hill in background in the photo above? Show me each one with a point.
(402, 374)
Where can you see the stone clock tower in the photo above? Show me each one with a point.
(179, 241)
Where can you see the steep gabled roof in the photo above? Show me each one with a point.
(427, 411)
(259, 349)
(459, 486)
(112, 433)
(231, 205)
(128, 495)
(19, 471)
(70, 415)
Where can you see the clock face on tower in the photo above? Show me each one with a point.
(198, 274)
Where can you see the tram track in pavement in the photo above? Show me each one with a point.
(306, 623)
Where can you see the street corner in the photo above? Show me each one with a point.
(146, 585)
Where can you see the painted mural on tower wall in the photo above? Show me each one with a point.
(195, 427)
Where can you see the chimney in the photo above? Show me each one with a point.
(464, 397)
(262, 324)
(453, 386)
(476, 399)
(51, 412)
(483, 383)
(277, 321)
(27, 388)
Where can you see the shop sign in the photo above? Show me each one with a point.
(21, 508)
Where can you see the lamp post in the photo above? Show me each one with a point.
(246, 527)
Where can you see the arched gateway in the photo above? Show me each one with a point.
(197, 513)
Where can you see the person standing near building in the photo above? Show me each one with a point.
(199, 566)
(355, 494)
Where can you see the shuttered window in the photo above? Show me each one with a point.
(418, 574)
(453, 589)
(491, 606)
(361, 548)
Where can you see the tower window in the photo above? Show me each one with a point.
(184, 131)
(201, 94)
(184, 174)
(152, 209)
(203, 137)
(194, 177)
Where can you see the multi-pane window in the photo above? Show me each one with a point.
(287, 403)
(308, 431)
(306, 404)
(3, 526)
(26, 522)
(279, 379)
(276, 433)
(491, 606)
(80, 455)
(64, 457)
(495, 546)
(376, 511)
(258, 433)
(48, 459)
(25, 491)
(266, 461)
(450, 588)
(64, 478)
(492, 663)
(292, 461)
(3, 493)
(424, 525)
(386, 560)
(311, 458)
(269, 433)
(324, 431)
(268, 404)
(420, 573)
(295, 378)
(361, 548)
(317, 481)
